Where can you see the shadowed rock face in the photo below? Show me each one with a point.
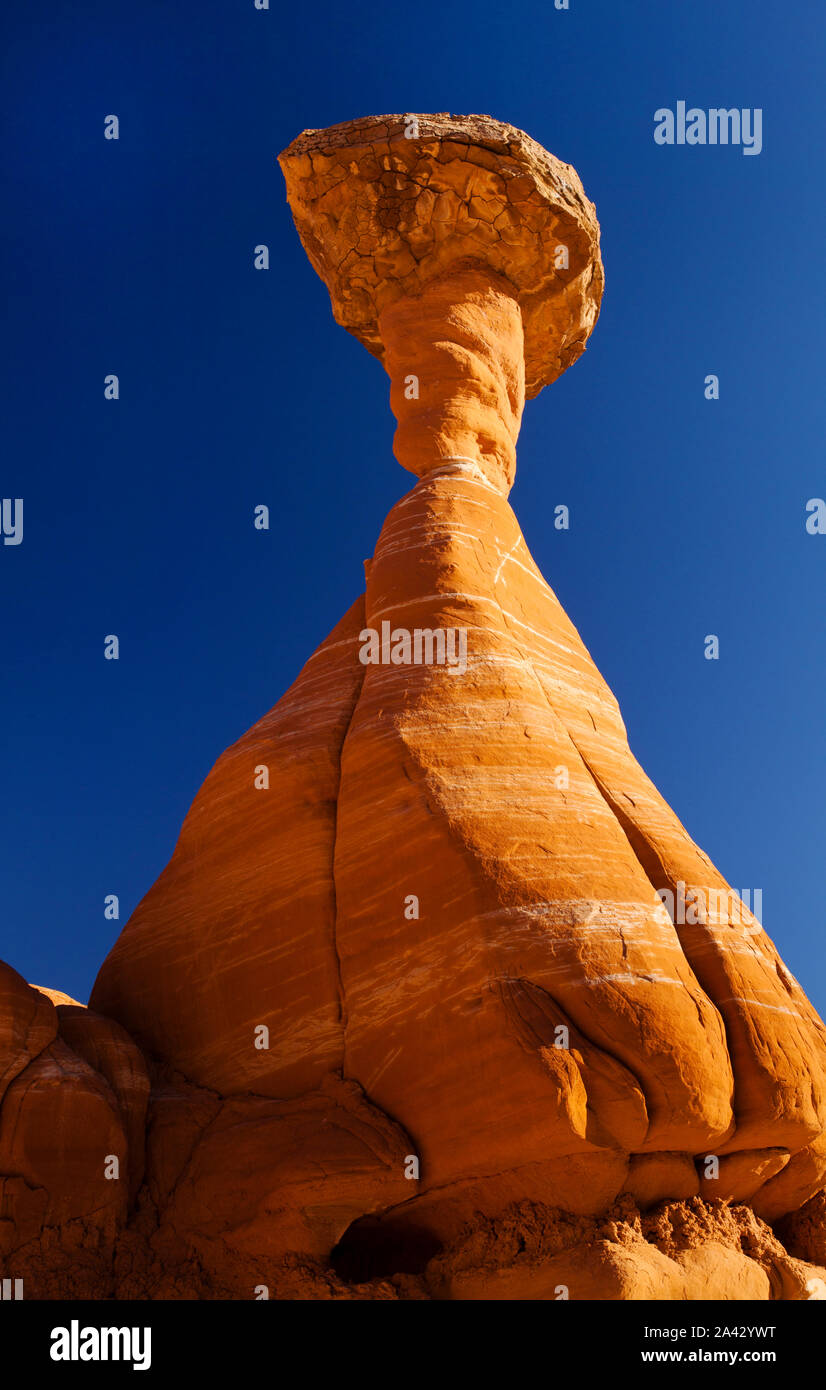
(535, 1049)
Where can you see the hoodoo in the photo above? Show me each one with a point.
(538, 1079)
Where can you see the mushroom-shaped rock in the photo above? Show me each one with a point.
(464, 256)
(461, 893)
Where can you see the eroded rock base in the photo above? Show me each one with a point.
(691, 1250)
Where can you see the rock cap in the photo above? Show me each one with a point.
(386, 203)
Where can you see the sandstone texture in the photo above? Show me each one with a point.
(409, 1014)
(383, 205)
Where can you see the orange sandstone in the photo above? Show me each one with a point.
(534, 1077)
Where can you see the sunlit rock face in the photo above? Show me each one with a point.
(437, 997)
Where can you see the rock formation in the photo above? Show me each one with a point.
(436, 997)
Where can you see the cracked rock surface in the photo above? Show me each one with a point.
(381, 212)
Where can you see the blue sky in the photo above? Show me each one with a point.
(135, 257)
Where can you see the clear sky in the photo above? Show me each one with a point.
(135, 257)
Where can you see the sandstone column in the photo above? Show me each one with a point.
(466, 258)
(541, 1035)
